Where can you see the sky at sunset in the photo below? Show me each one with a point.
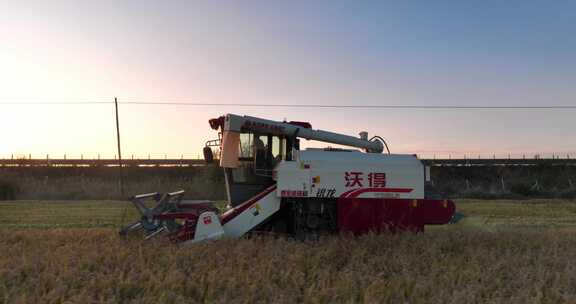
(518, 53)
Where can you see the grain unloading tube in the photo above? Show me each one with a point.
(236, 123)
(272, 186)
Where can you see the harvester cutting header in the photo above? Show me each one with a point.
(274, 186)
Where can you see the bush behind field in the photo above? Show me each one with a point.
(8, 190)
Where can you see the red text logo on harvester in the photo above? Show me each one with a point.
(356, 179)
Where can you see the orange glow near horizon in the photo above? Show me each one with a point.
(88, 131)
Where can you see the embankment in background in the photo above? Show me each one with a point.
(551, 181)
(204, 182)
(207, 182)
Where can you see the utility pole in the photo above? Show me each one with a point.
(119, 150)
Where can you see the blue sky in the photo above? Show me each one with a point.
(321, 52)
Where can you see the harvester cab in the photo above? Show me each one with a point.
(273, 186)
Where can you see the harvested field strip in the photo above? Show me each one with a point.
(112, 214)
(65, 214)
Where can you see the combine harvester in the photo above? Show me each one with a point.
(274, 186)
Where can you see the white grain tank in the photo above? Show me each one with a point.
(339, 173)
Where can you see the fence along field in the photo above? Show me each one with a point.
(183, 162)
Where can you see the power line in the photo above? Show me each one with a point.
(333, 106)
(350, 106)
(24, 103)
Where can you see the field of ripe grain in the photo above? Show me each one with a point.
(502, 252)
